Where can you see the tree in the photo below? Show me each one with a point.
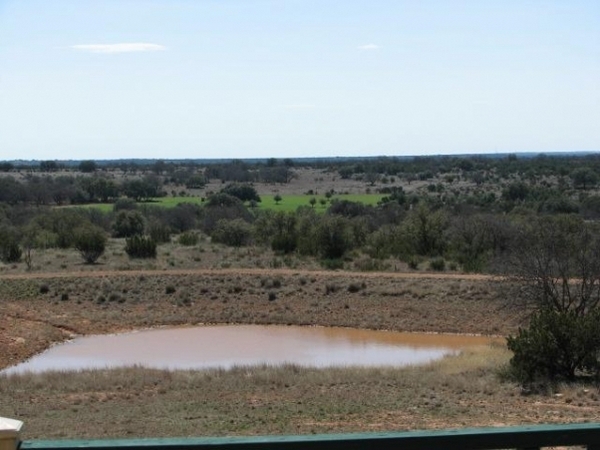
(558, 265)
(426, 228)
(142, 189)
(584, 178)
(333, 237)
(5, 166)
(128, 223)
(277, 199)
(244, 192)
(235, 233)
(140, 247)
(90, 240)
(88, 166)
(557, 345)
(313, 202)
(10, 251)
(284, 235)
(48, 166)
(515, 192)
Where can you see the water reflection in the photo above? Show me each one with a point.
(226, 346)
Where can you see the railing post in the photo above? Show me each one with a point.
(10, 436)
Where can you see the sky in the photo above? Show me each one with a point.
(109, 79)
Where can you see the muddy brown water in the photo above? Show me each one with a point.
(226, 346)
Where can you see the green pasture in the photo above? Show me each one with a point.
(292, 202)
(288, 202)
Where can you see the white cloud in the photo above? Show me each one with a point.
(126, 47)
(368, 47)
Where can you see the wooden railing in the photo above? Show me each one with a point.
(524, 437)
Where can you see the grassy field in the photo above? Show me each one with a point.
(292, 202)
(288, 203)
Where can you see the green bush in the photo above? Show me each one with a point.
(235, 233)
(557, 345)
(90, 241)
(437, 264)
(332, 264)
(9, 245)
(140, 247)
(10, 252)
(128, 223)
(413, 263)
(333, 237)
(189, 238)
(159, 232)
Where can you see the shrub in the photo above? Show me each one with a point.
(331, 289)
(354, 287)
(128, 223)
(189, 238)
(90, 241)
(9, 246)
(332, 264)
(170, 289)
(140, 247)
(413, 263)
(44, 289)
(333, 237)
(159, 232)
(10, 252)
(556, 345)
(235, 233)
(244, 192)
(272, 296)
(438, 264)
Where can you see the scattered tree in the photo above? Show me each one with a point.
(90, 241)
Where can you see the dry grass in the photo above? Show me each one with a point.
(457, 391)
(43, 307)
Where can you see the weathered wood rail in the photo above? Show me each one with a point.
(523, 437)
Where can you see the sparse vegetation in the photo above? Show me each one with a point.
(382, 215)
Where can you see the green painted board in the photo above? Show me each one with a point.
(473, 438)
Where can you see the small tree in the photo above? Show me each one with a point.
(313, 202)
(87, 166)
(140, 247)
(558, 265)
(333, 237)
(235, 233)
(10, 252)
(128, 223)
(557, 346)
(584, 178)
(90, 241)
(277, 199)
(244, 192)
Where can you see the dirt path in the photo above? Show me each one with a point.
(252, 272)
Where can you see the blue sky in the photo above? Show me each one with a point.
(107, 79)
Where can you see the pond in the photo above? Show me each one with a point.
(224, 346)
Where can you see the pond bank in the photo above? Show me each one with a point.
(40, 311)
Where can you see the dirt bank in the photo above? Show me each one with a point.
(43, 308)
